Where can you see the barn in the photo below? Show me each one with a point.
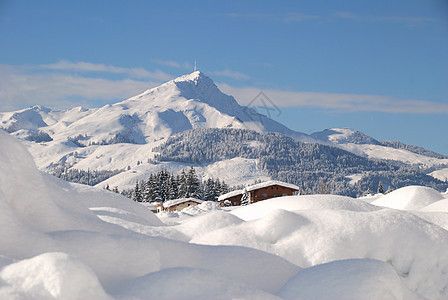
(260, 192)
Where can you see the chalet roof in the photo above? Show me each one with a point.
(258, 186)
(170, 203)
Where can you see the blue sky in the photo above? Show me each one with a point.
(380, 67)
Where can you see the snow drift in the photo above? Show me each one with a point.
(41, 215)
(61, 240)
(409, 198)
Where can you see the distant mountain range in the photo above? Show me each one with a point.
(128, 135)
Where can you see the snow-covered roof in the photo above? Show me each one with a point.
(170, 203)
(258, 186)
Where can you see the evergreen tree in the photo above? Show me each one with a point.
(221, 188)
(173, 188)
(245, 199)
(193, 184)
(163, 182)
(156, 194)
(380, 188)
(182, 185)
(209, 193)
(368, 192)
(322, 188)
(148, 193)
(389, 189)
(136, 194)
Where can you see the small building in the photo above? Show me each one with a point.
(155, 207)
(179, 204)
(260, 192)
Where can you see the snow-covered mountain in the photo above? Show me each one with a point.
(361, 144)
(344, 136)
(188, 102)
(122, 135)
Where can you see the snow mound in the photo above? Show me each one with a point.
(438, 206)
(190, 283)
(113, 239)
(207, 223)
(50, 276)
(414, 247)
(61, 240)
(409, 198)
(205, 206)
(345, 279)
(308, 202)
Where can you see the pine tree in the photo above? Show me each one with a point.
(173, 188)
(148, 189)
(380, 188)
(182, 185)
(193, 184)
(368, 192)
(209, 190)
(136, 194)
(222, 188)
(389, 189)
(322, 188)
(163, 182)
(245, 199)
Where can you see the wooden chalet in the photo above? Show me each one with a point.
(260, 192)
(179, 204)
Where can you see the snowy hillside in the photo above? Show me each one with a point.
(306, 165)
(364, 145)
(67, 241)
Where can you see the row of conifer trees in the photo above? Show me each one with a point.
(163, 186)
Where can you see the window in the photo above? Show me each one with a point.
(264, 195)
(284, 194)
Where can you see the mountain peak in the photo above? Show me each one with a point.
(194, 79)
(191, 77)
(344, 136)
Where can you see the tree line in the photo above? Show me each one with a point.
(303, 164)
(163, 186)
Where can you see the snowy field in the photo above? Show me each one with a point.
(66, 241)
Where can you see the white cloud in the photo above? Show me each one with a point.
(51, 85)
(230, 74)
(173, 64)
(294, 17)
(337, 102)
(407, 20)
(20, 88)
(277, 17)
(64, 65)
